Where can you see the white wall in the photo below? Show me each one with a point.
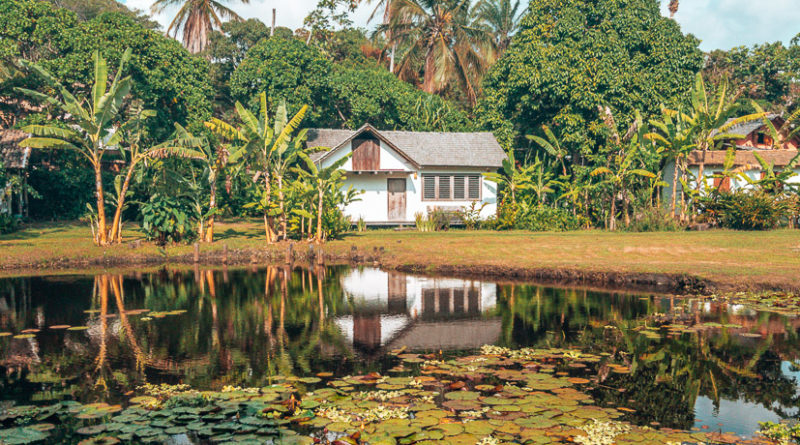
(693, 171)
(373, 204)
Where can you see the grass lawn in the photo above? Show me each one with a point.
(739, 259)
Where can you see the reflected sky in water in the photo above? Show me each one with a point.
(209, 328)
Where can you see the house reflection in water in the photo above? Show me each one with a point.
(391, 310)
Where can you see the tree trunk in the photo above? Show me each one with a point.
(674, 188)
(701, 168)
(116, 224)
(208, 235)
(270, 234)
(612, 217)
(430, 69)
(102, 232)
(625, 207)
(321, 193)
(283, 235)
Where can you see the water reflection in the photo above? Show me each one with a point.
(679, 363)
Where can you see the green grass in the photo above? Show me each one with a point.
(737, 258)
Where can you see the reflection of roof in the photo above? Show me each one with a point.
(462, 334)
(11, 155)
(779, 158)
(478, 149)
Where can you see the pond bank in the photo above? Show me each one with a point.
(678, 262)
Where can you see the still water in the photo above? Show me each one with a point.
(689, 363)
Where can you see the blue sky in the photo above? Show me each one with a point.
(720, 24)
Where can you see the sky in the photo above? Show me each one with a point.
(719, 24)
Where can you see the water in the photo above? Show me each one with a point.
(717, 368)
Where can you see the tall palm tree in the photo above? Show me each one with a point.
(673, 8)
(502, 18)
(443, 39)
(197, 18)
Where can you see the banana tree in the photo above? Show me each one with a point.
(552, 146)
(674, 142)
(90, 128)
(711, 119)
(515, 178)
(789, 131)
(620, 169)
(323, 178)
(772, 181)
(260, 142)
(215, 156)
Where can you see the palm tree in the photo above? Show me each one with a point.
(90, 129)
(673, 8)
(197, 18)
(502, 18)
(712, 119)
(442, 38)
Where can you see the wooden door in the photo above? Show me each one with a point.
(397, 199)
(366, 154)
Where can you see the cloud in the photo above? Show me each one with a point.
(720, 24)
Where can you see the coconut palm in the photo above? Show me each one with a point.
(443, 40)
(673, 8)
(90, 130)
(502, 18)
(197, 18)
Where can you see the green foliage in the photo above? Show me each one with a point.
(8, 223)
(286, 70)
(781, 433)
(470, 215)
(164, 75)
(547, 219)
(89, 9)
(653, 219)
(374, 95)
(569, 57)
(745, 210)
(167, 219)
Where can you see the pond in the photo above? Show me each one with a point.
(667, 362)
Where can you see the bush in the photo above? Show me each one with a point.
(745, 210)
(547, 219)
(654, 219)
(8, 223)
(167, 219)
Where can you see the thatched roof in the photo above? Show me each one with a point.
(423, 148)
(780, 158)
(11, 154)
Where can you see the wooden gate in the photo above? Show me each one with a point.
(397, 199)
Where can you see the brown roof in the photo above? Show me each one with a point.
(779, 158)
(11, 154)
(424, 148)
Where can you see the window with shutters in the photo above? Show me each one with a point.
(456, 187)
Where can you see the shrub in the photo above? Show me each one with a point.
(547, 219)
(440, 219)
(167, 219)
(745, 210)
(470, 215)
(8, 223)
(654, 219)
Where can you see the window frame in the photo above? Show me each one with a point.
(451, 176)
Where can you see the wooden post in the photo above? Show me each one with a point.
(196, 253)
(272, 30)
(225, 253)
(289, 253)
(320, 256)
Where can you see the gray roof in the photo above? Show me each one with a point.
(11, 154)
(426, 149)
(746, 128)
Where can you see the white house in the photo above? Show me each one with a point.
(404, 172)
(754, 139)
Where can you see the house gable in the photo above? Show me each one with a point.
(371, 151)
